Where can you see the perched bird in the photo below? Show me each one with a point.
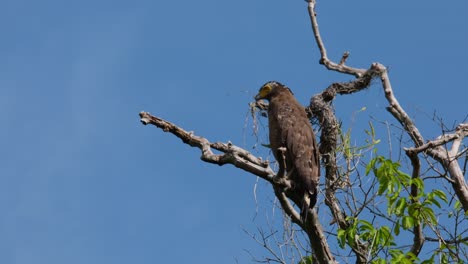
(292, 142)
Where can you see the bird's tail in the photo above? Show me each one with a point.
(308, 202)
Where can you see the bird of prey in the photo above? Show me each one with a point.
(292, 142)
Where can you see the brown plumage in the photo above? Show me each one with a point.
(292, 137)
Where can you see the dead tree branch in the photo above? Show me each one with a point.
(439, 153)
(434, 149)
(448, 159)
(244, 160)
(232, 154)
(339, 67)
(321, 108)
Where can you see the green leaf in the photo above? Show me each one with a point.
(370, 165)
(384, 185)
(306, 260)
(404, 179)
(411, 257)
(377, 240)
(441, 195)
(400, 207)
(407, 222)
(435, 202)
(379, 261)
(366, 226)
(397, 256)
(385, 233)
(429, 261)
(372, 130)
(428, 214)
(418, 183)
(395, 193)
(351, 233)
(396, 229)
(413, 210)
(341, 236)
(383, 237)
(444, 259)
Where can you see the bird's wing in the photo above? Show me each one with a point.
(302, 149)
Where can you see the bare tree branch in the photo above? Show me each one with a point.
(448, 241)
(244, 160)
(377, 69)
(288, 208)
(317, 238)
(434, 143)
(265, 244)
(340, 67)
(232, 154)
(448, 158)
(440, 154)
(418, 239)
(460, 133)
(320, 107)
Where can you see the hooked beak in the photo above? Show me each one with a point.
(258, 97)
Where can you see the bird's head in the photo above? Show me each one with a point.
(268, 89)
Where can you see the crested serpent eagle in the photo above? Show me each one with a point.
(292, 142)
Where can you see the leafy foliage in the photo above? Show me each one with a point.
(393, 183)
(306, 260)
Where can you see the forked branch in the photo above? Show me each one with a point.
(447, 158)
(340, 67)
(244, 160)
(320, 107)
(231, 154)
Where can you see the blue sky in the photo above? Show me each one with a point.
(82, 181)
